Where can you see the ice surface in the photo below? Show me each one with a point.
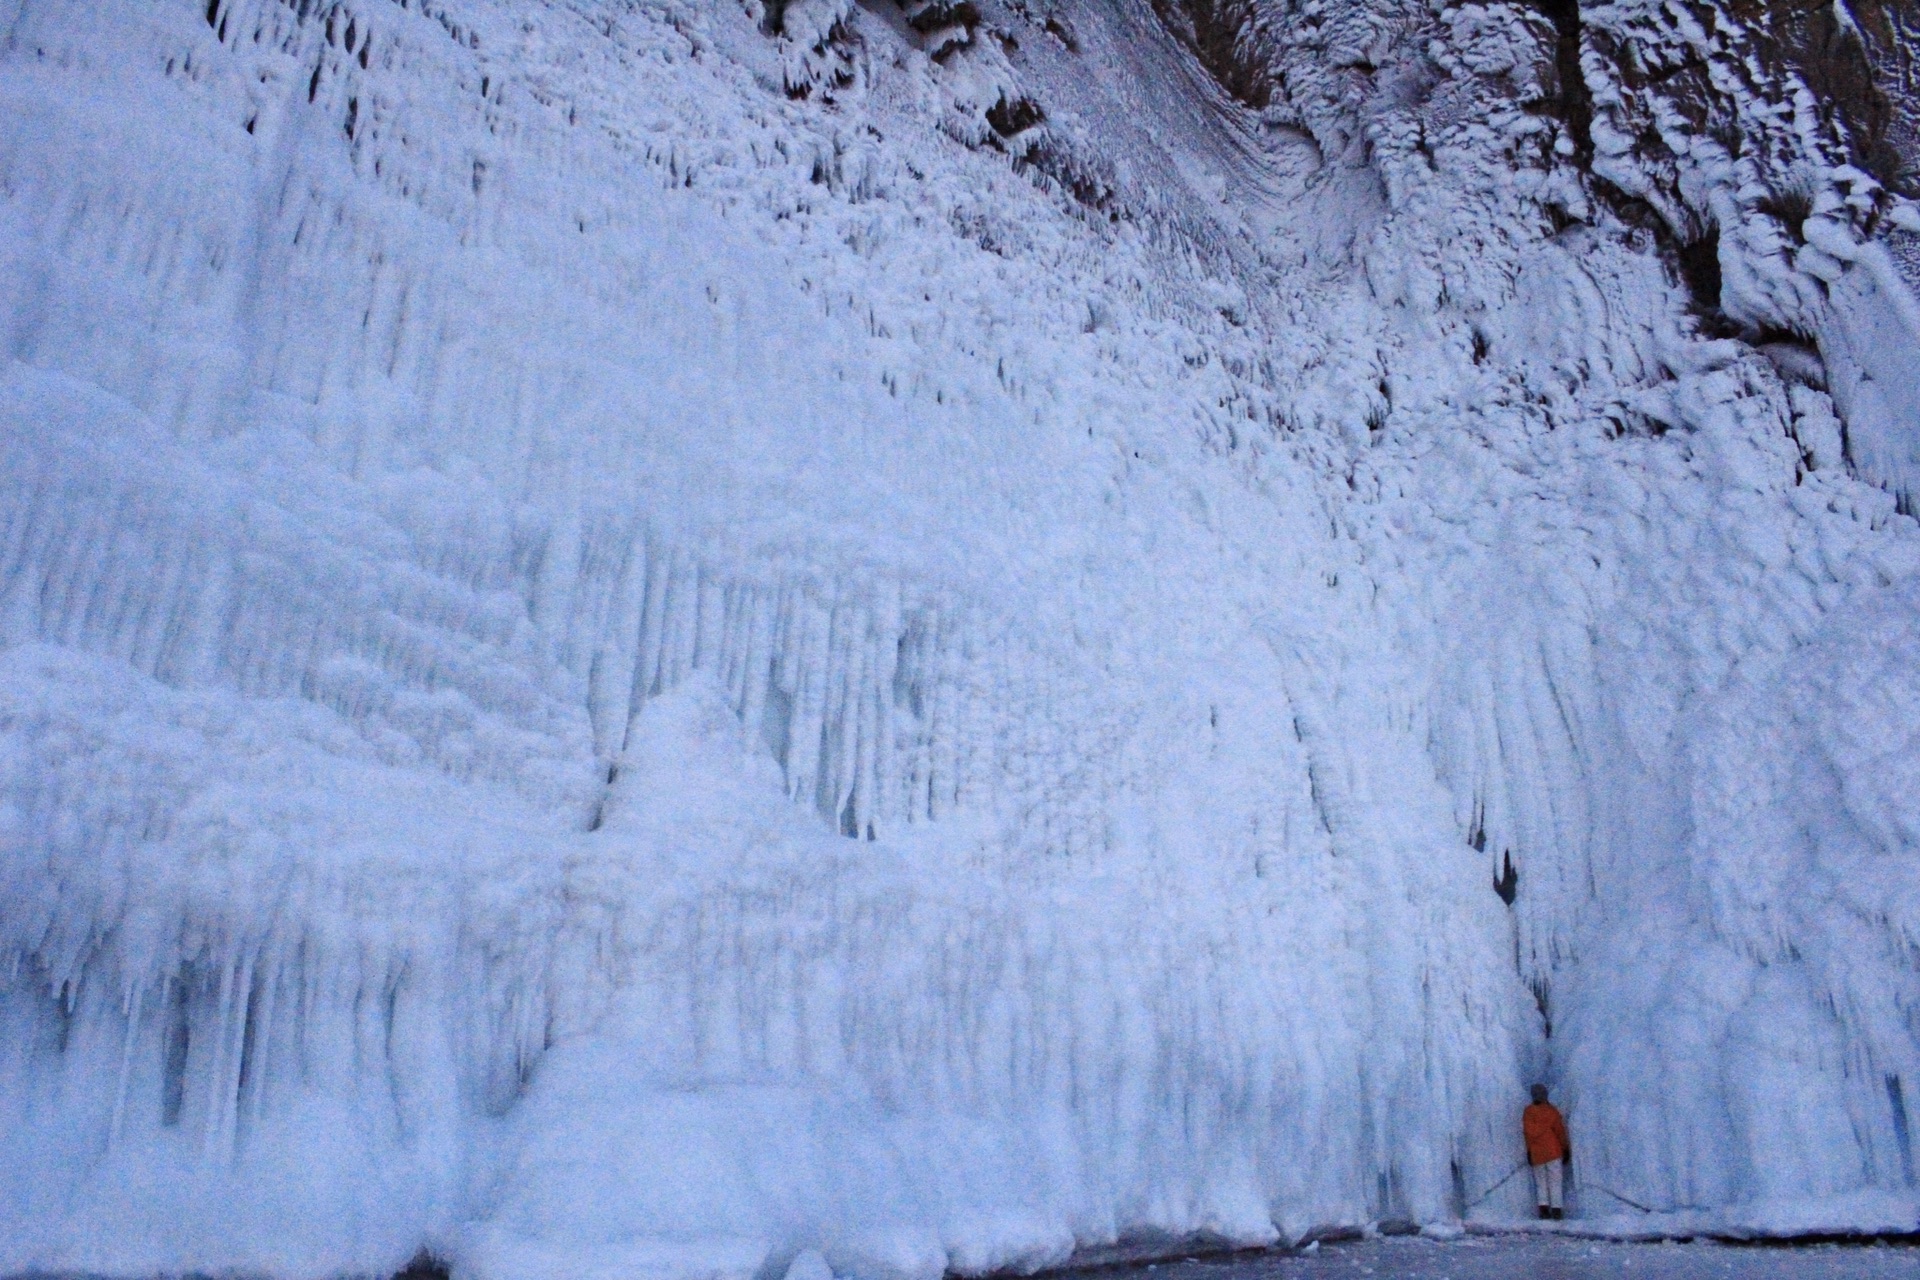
(728, 640)
(1524, 1257)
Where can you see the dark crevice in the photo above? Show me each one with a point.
(606, 794)
(249, 1073)
(1772, 335)
(1902, 1136)
(928, 16)
(1699, 264)
(1506, 882)
(173, 1078)
(1572, 103)
(1213, 29)
(1897, 1239)
(1019, 115)
(1790, 209)
(424, 1266)
(1058, 165)
(1694, 262)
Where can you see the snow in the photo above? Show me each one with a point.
(641, 639)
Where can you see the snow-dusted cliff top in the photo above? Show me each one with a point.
(640, 637)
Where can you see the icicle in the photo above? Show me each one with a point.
(616, 689)
(877, 751)
(262, 1057)
(711, 630)
(833, 778)
(683, 623)
(131, 1009)
(653, 624)
(816, 703)
(728, 661)
(830, 785)
(236, 1055)
(757, 662)
(854, 653)
(939, 762)
(559, 567)
(215, 1120)
(808, 665)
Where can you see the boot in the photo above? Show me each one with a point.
(1559, 1214)
(1546, 1214)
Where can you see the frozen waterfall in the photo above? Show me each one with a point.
(642, 638)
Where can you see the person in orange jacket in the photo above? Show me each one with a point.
(1548, 1151)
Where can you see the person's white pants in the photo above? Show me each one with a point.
(1546, 1184)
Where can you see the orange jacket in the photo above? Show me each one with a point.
(1546, 1133)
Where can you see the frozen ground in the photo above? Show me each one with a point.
(1540, 1257)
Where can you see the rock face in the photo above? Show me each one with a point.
(1859, 60)
(713, 639)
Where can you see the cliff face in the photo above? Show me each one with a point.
(672, 634)
(1528, 156)
(1859, 60)
(1759, 145)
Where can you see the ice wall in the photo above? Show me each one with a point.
(650, 637)
(405, 467)
(1631, 528)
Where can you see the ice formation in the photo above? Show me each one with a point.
(720, 638)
